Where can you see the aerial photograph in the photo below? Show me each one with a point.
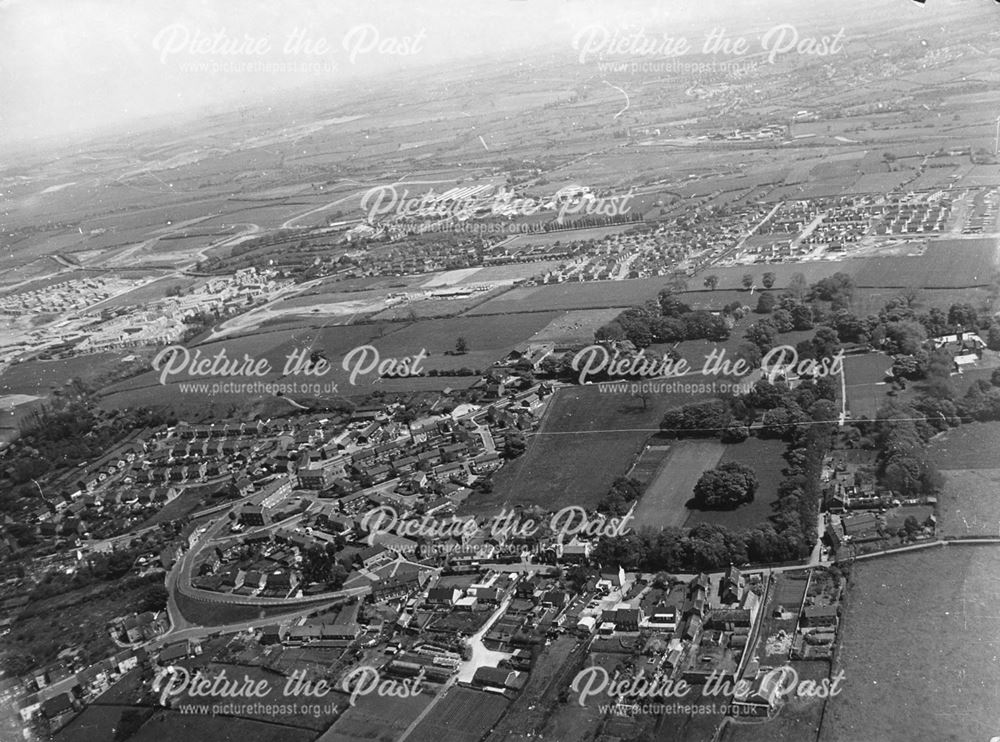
(508, 371)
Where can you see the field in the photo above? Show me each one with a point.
(377, 718)
(969, 503)
(663, 501)
(586, 440)
(864, 381)
(576, 326)
(463, 715)
(488, 340)
(945, 264)
(919, 638)
(573, 295)
(98, 723)
(289, 710)
(166, 725)
(765, 458)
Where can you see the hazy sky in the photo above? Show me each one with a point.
(68, 66)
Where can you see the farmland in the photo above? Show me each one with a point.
(918, 637)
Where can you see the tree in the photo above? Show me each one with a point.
(461, 345)
(766, 303)
(747, 281)
(797, 285)
(768, 280)
(711, 282)
(725, 487)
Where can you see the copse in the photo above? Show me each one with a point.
(725, 487)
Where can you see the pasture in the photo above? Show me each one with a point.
(918, 638)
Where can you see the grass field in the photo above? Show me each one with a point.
(945, 264)
(586, 440)
(377, 718)
(170, 725)
(765, 458)
(488, 340)
(864, 381)
(918, 649)
(463, 715)
(969, 503)
(576, 326)
(663, 501)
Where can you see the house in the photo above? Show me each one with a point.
(254, 515)
(254, 580)
(731, 587)
(126, 660)
(271, 634)
(314, 477)
(624, 619)
(375, 555)
(728, 619)
(820, 616)
(57, 706)
(174, 652)
(282, 581)
(494, 677)
(863, 526)
(443, 596)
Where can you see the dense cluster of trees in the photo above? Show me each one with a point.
(779, 410)
(623, 493)
(725, 487)
(667, 320)
(320, 565)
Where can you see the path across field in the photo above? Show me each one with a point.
(672, 486)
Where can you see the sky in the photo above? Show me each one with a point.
(72, 66)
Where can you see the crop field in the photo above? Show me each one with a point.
(927, 660)
(463, 715)
(765, 458)
(586, 440)
(663, 503)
